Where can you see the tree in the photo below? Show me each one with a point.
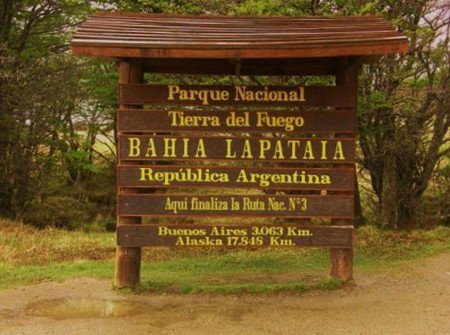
(43, 96)
(404, 113)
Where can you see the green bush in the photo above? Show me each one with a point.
(102, 223)
(58, 211)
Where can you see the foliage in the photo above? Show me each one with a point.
(60, 212)
(53, 106)
(404, 108)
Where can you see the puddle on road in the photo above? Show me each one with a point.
(71, 308)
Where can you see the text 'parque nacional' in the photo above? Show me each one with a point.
(240, 93)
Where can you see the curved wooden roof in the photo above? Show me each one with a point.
(137, 35)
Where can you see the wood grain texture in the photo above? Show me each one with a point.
(233, 236)
(237, 148)
(157, 176)
(128, 260)
(153, 35)
(246, 67)
(341, 260)
(316, 96)
(325, 121)
(187, 205)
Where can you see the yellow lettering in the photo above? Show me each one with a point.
(173, 89)
(294, 144)
(146, 174)
(339, 151)
(247, 150)
(309, 154)
(230, 154)
(264, 145)
(324, 149)
(302, 94)
(185, 147)
(170, 147)
(240, 93)
(134, 147)
(201, 153)
(278, 154)
(151, 150)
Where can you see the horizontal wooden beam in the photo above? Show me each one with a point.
(187, 205)
(157, 176)
(244, 67)
(285, 121)
(342, 49)
(238, 95)
(226, 148)
(233, 236)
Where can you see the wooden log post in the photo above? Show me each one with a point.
(341, 259)
(128, 259)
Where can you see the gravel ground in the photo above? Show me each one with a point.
(410, 299)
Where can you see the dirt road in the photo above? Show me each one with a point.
(411, 299)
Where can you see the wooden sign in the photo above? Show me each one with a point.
(235, 235)
(292, 206)
(271, 117)
(235, 177)
(263, 149)
(286, 121)
(240, 95)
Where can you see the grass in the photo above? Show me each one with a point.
(24, 245)
(28, 256)
(378, 248)
(17, 275)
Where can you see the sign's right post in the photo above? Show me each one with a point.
(341, 259)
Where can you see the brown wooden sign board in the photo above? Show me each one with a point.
(226, 148)
(286, 121)
(151, 176)
(235, 45)
(249, 235)
(239, 95)
(287, 206)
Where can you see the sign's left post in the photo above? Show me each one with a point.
(128, 259)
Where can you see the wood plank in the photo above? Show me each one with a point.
(227, 30)
(137, 31)
(226, 148)
(184, 205)
(239, 26)
(285, 121)
(322, 50)
(245, 45)
(304, 67)
(157, 176)
(341, 260)
(239, 95)
(128, 260)
(233, 236)
(137, 37)
(224, 37)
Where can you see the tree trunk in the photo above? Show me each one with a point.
(388, 198)
(359, 218)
